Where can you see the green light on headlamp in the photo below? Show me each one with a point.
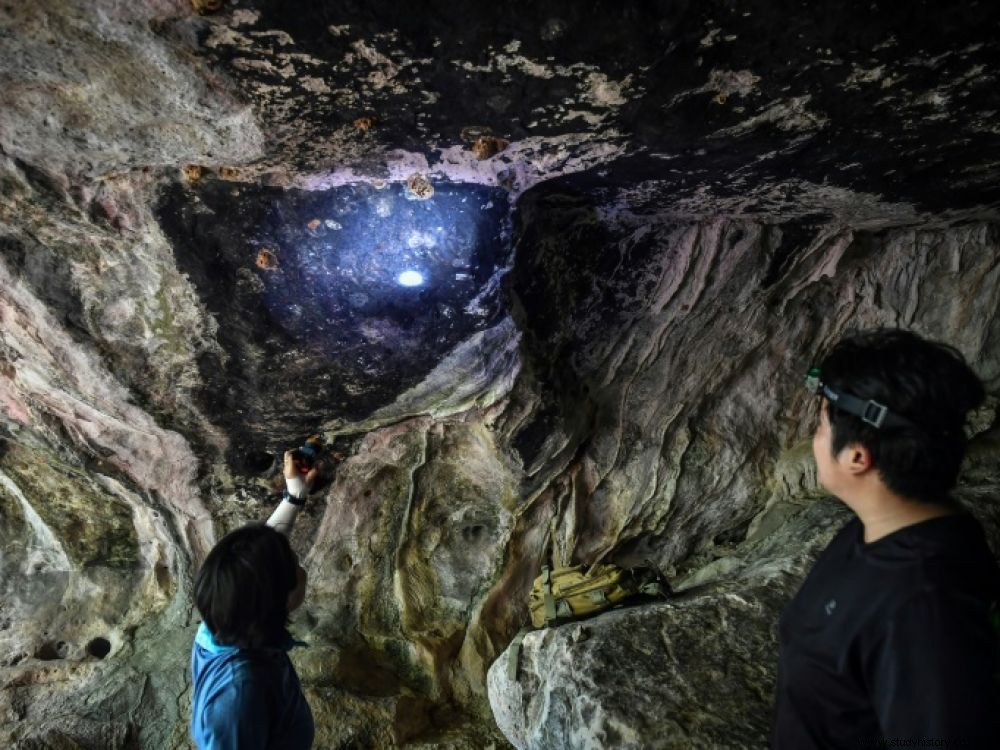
(813, 382)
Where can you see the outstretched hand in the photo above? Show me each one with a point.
(293, 476)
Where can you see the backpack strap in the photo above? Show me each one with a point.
(547, 597)
(551, 614)
(514, 653)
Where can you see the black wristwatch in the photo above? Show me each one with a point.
(300, 501)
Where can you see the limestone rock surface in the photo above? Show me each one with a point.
(559, 265)
(697, 670)
(693, 671)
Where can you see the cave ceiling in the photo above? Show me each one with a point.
(694, 107)
(527, 266)
(869, 114)
(344, 186)
(297, 129)
(333, 302)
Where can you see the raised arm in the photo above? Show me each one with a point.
(297, 487)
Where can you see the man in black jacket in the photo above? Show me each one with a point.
(890, 641)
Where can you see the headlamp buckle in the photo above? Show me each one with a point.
(874, 413)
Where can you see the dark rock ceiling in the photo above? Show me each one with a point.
(332, 303)
(864, 114)
(526, 263)
(750, 105)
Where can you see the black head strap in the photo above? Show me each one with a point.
(868, 410)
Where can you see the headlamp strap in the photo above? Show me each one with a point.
(868, 410)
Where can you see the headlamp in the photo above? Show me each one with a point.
(870, 411)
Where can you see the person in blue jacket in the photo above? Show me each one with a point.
(246, 691)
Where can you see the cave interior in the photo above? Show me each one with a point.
(544, 276)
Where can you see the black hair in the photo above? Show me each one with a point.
(242, 588)
(928, 383)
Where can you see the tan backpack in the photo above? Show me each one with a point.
(568, 593)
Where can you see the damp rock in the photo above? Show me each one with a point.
(267, 260)
(204, 7)
(418, 187)
(487, 146)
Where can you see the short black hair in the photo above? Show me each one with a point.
(928, 383)
(242, 588)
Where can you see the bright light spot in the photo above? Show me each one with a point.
(410, 278)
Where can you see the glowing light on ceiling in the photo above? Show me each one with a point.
(410, 278)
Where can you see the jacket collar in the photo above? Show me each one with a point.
(206, 640)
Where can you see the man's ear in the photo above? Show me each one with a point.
(858, 459)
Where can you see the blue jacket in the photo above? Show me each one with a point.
(246, 699)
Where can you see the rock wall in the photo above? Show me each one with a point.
(655, 413)
(203, 220)
(696, 671)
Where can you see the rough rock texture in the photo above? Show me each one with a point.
(665, 382)
(691, 672)
(324, 306)
(554, 262)
(696, 671)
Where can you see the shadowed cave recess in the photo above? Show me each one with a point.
(523, 266)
